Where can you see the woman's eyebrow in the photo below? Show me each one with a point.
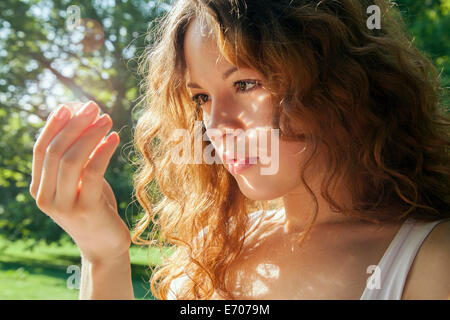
(225, 75)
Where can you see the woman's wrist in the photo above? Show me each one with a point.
(106, 261)
(107, 278)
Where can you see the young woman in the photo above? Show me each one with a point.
(361, 160)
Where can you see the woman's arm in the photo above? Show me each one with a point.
(109, 280)
(429, 276)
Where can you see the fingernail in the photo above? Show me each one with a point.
(103, 120)
(112, 137)
(87, 109)
(62, 113)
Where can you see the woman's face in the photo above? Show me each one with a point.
(237, 107)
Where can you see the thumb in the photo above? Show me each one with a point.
(109, 193)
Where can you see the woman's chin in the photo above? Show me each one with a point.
(258, 192)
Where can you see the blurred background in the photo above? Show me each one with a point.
(55, 51)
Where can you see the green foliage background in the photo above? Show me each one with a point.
(42, 64)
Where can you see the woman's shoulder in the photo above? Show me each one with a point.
(428, 277)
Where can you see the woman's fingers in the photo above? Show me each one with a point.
(55, 123)
(56, 149)
(92, 176)
(75, 158)
(74, 106)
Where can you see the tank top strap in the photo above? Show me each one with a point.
(396, 262)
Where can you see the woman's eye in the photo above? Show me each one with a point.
(200, 97)
(243, 86)
(243, 83)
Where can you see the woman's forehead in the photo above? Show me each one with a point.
(201, 52)
(199, 35)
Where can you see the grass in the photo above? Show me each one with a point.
(43, 272)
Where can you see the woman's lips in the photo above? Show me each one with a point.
(236, 167)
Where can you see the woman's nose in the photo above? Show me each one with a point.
(224, 113)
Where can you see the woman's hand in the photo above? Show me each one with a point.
(69, 162)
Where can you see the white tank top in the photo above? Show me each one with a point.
(397, 260)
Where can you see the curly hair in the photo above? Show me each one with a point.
(369, 97)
